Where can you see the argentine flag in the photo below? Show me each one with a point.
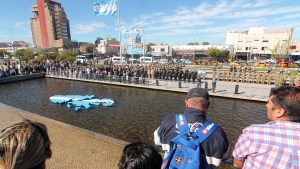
(105, 7)
(132, 31)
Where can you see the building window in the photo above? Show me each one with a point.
(254, 48)
(248, 48)
(265, 40)
(264, 48)
(249, 41)
(293, 47)
(162, 49)
(256, 40)
(240, 41)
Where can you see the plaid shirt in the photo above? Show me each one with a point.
(272, 145)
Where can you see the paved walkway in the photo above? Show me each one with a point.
(73, 147)
(246, 91)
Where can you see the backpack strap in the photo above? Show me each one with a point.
(206, 130)
(182, 124)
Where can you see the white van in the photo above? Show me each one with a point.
(117, 59)
(146, 60)
(81, 59)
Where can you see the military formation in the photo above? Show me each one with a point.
(256, 77)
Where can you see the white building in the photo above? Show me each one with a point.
(257, 42)
(109, 46)
(160, 49)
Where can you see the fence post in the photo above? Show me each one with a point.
(236, 90)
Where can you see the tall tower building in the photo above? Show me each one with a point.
(50, 25)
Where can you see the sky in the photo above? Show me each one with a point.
(175, 22)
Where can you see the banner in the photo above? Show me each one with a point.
(105, 7)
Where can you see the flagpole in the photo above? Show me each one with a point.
(119, 31)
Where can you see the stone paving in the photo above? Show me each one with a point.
(246, 91)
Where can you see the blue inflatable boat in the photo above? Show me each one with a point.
(81, 102)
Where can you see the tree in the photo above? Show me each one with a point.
(213, 52)
(193, 43)
(280, 50)
(224, 54)
(3, 52)
(67, 56)
(205, 43)
(89, 48)
(164, 56)
(25, 54)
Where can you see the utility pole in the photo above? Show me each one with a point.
(194, 49)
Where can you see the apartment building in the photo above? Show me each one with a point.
(50, 25)
(258, 42)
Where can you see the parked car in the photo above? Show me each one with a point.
(213, 63)
(238, 63)
(261, 64)
(286, 64)
(285, 60)
(132, 60)
(81, 59)
(271, 60)
(163, 61)
(117, 59)
(187, 62)
(297, 62)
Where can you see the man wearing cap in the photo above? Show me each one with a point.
(214, 148)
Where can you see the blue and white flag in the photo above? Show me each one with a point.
(133, 31)
(105, 7)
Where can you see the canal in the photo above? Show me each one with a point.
(136, 114)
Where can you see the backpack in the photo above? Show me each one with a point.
(185, 148)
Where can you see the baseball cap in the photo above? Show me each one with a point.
(197, 92)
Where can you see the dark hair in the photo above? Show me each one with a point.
(288, 98)
(139, 155)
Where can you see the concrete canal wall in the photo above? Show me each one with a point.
(11, 79)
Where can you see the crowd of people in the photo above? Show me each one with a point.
(150, 71)
(15, 69)
(272, 145)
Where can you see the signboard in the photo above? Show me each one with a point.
(113, 45)
(184, 52)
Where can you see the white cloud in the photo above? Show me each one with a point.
(215, 18)
(21, 24)
(88, 27)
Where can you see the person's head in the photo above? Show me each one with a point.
(139, 155)
(298, 84)
(283, 104)
(198, 98)
(25, 145)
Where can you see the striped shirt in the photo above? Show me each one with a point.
(272, 145)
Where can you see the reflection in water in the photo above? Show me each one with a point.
(137, 113)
